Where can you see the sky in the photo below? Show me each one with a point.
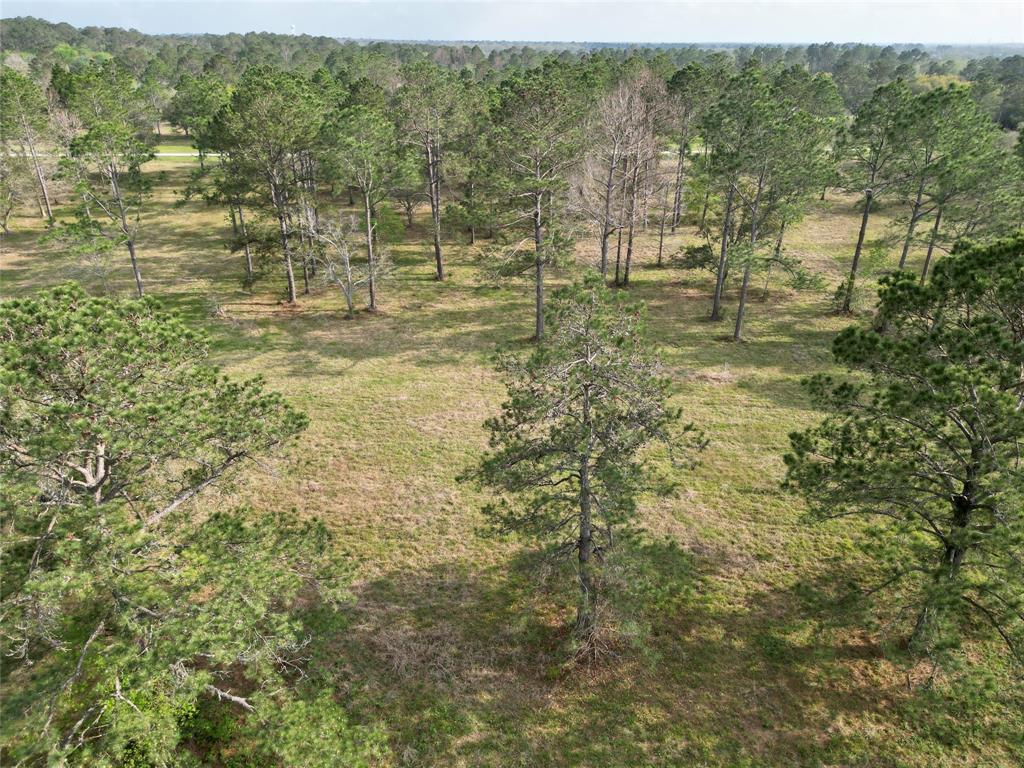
(678, 21)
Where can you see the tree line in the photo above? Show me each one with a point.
(163, 60)
(522, 169)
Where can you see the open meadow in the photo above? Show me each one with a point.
(734, 649)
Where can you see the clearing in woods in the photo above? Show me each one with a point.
(449, 645)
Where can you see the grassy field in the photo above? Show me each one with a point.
(452, 647)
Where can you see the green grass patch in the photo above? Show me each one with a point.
(454, 647)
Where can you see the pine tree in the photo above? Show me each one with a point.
(361, 150)
(24, 126)
(137, 599)
(272, 120)
(925, 443)
(870, 151)
(432, 116)
(105, 160)
(536, 138)
(567, 444)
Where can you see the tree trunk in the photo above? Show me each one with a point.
(115, 189)
(585, 542)
(914, 215)
(245, 246)
(618, 256)
(289, 271)
(848, 298)
(931, 245)
(305, 273)
(776, 254)
(370, 282)
(737, 334)
(632, 223)
(955, 548)
(135, 267)
(606, 228)
(716, 307)
(661, 226)
(41, 180)
(434, 186)
(677, 199)
(539, 267)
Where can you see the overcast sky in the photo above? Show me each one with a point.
(871, 21)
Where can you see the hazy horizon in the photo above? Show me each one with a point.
(954, 22)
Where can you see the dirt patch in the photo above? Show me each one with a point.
(720, 375)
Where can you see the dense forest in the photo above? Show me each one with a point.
(375, 403)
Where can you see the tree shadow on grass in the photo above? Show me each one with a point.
(467, 665)
(422, 332)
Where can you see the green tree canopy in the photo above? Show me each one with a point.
(568, 442)
(271, 122)
(125, 606)
(105, 160)
(536, 137)
(925, 443)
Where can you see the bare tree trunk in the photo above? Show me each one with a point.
(135, 267)
(661, 226)
(245, 246)
(434, 186)
(41, 180)
(305, 268)
(369, 252)
(606, 228)
(716, 306)
(115, 188)
(914, 215)
(848, 298)
(632, 222)
(677, 200)
(742, 309)
(585, 542)
(618, 255)
(707, 198)
(737, 334)
(539, 267)
(277, 195)
(931, 245)
(289, 272)
(621, 214)
(472, 226)
(775, 258)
